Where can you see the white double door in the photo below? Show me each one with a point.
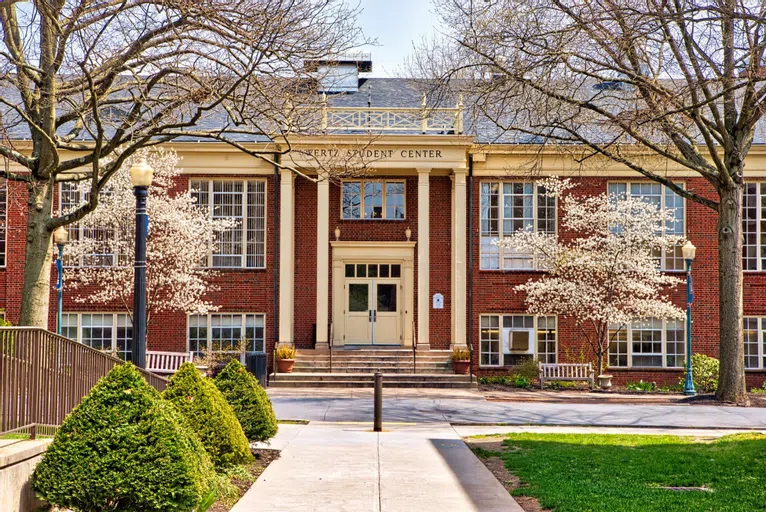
(373, 313)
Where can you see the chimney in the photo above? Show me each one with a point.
(341, 73)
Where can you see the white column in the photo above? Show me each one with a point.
(459, 229)
(424, 243)
(323, 263)
(286, 256)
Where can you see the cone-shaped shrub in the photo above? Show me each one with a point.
(210, 415)
(125, 449)
(249, 401)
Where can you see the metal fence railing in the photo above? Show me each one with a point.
(43, 376)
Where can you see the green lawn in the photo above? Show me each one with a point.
(615, 473)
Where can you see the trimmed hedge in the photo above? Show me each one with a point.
(209, 415)
(249, 400)
(124, 449)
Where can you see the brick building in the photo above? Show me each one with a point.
(405, 252)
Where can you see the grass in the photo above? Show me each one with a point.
(594, 473)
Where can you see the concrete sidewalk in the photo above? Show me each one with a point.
(347, 467)
(472, 408)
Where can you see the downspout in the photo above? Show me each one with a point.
(469, 298)
(277, 160)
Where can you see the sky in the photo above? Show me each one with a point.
(395, 24)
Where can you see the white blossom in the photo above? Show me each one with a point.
(180, 238)
(608, 272)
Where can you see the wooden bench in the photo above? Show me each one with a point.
(566, 371)
(166, 362)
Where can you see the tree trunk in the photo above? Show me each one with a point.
(37, 269)
(731, 382)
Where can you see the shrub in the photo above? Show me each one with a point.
(521, 381)
(704, 373)
(528, 368)
(460, 354)
(641, 386)
(249, 401)
(561, 384)
(124, 449)
(285, 352)
(210, 415)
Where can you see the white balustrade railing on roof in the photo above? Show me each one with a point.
(392, 119)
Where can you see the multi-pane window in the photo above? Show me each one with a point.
(103, 238)
(507, 207)
(372, 200)
(664, 198)
(648, 342)
(507, 340)
(110, 332)
(754, 330)
(3, 219)
(244, 203)
(226, 332)
(754, 226)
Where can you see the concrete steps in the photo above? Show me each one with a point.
(355, 367)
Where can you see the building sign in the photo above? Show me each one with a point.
(372, 154)
(438, 301)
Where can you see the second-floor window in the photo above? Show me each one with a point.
(664, 198)
(244, 202)
(507, 207)
(372, 200)
(754, 226)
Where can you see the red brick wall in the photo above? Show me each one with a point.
(493, 290)
(440, 213)
(305, 262)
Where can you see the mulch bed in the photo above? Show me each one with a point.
(262, 460)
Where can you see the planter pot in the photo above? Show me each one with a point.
(461, 367)
(605, 382)
(285, 365)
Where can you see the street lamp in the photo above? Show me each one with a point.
(60, 238)
(141, 176)
(688, 250)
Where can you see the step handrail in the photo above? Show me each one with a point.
(414, 350)
(332, 335)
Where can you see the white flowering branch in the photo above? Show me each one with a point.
(608, 273)
(181, 235)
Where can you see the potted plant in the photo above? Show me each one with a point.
(461, 360)
(605, 382)
(285, 358)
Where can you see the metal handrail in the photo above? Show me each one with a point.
(414, 350)
(332, 335)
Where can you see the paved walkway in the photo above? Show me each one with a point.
(347, 467)
(469, 407)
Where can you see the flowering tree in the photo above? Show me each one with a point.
(608, 274)
(180, 237)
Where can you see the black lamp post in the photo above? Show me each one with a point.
(689, 251)
(141, 177)
(60, 238)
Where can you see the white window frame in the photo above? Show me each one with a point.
(760, 235)
(115, 317)
(628, 329)
(761, 352)
(534, 331)
(4, 221)
(243, 326)
(629, 184)
(244, 227)
(501, 208)
(81, 228)
(361, 199)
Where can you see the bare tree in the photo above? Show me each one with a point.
(84, 84)
(639, 82)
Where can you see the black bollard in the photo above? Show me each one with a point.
(378, 411)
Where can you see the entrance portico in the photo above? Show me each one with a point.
(376, 287)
